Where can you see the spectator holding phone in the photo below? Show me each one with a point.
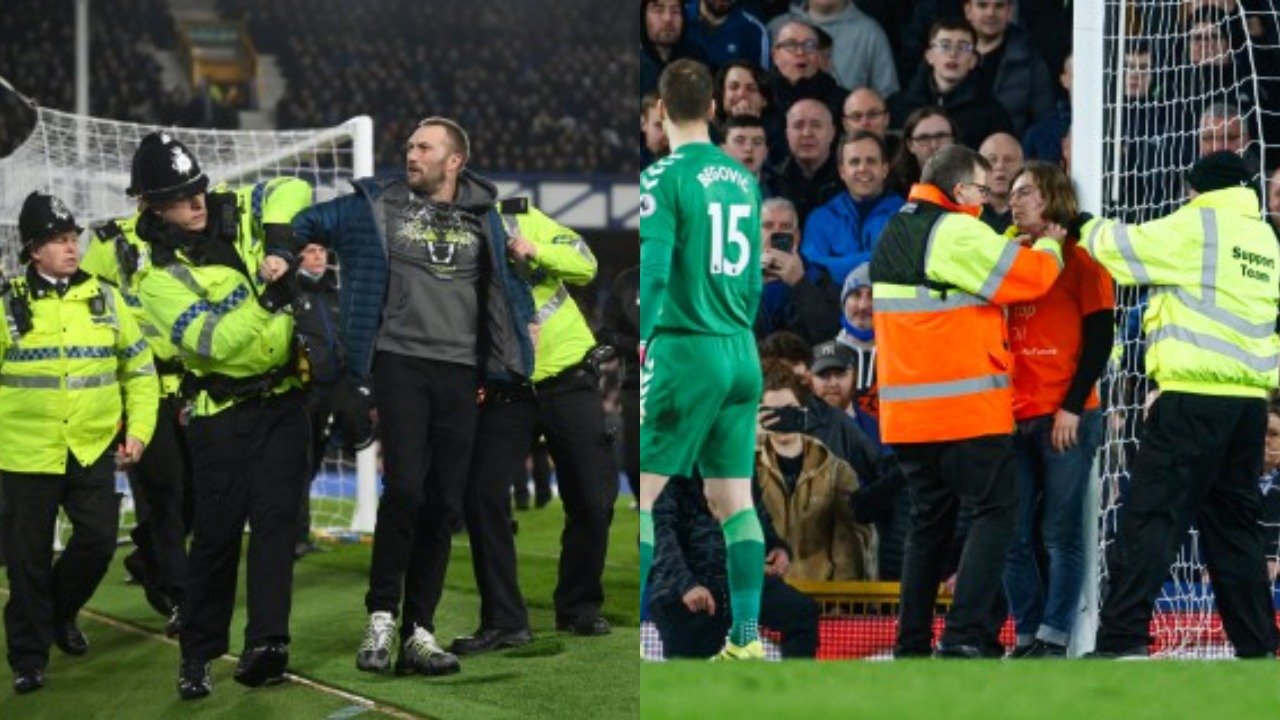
(808, 490)
(796, 298)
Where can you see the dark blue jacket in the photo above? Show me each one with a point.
(838, 239)
(346, 225)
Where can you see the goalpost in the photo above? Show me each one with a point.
(1157, 83)
(85, 161)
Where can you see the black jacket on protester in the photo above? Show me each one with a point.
(619, 324)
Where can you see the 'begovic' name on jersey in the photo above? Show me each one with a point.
(724, 173)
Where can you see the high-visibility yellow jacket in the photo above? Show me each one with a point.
(1211, 314)
(61, 381)
(938, 280)
(116, 254)
(563, 257)
(210, 312)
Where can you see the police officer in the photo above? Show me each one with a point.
(69, 346)
(161, 481)
(204, 289)
(563, 403)
(1213, 351)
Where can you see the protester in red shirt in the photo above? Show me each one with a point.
(1060, 345)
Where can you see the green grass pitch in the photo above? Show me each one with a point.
(129, 675)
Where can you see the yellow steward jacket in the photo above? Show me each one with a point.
(564, 336)
(1214, 269)
(69, 381)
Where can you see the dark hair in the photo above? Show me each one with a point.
(685, 89)
(742, 121)
(786, 346)
(906, 168)
(951, 166)
(1060, 204)
(957, 23)
(647, 101)
(859, 136)
(780, 375)
(757, 74)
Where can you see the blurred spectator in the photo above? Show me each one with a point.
(857, 334)
(808, 177)
(689, 587)
(665, 39)
(861, 56)
(796, 72)
(795, 298)
(1273, 201)
(834, 429)
(619, 326)
(1222, 127)
(1005, 155)
(1043, 140)
(1011, 69)
(831, 377)
(723, 31)
(865, 109)
(841, 234)
(744, 141)
(809, 491)
(742, 89)
(1269, 484)
(947, 80)
(915, 35)
(927, 130)
(655, 145)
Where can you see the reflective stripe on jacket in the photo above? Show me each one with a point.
(61, 382)
(1211, 316)
(563, 257)
(938, 281)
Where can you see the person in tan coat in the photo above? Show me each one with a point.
(808, 490)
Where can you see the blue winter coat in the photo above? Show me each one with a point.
(837, 239)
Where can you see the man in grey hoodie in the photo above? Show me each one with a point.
(429, 306)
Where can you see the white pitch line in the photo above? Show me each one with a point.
(364, 702)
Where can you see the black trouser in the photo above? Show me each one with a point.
(978, 472)
(319, 410)
(1199, 460)
(42, 592)
(782, 608)
(631, 435)
(427, 410)
(568, 412)
(162, 498)
(250, 462)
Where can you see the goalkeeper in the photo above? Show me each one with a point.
(700, 282)
(1213, 351)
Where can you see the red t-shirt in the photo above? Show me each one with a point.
(1045, 335)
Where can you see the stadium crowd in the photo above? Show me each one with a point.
(838, 138)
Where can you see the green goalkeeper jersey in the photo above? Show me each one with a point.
(699, 244)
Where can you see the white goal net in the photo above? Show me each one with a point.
(1178, 79)
(85, 161)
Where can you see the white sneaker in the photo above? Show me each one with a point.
(421, 654)
(375, 650)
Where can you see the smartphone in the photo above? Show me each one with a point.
(782, 241)
(791, 418)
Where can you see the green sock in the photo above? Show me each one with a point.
(646, 548)
(744, 544)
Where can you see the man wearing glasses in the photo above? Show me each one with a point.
(860, 56)
(939, 277)
(947, 79)
(797, 73)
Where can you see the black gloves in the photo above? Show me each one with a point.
(1077, 224)
(353, 404)
(281, 292)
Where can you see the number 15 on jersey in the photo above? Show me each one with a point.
(739, 245)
